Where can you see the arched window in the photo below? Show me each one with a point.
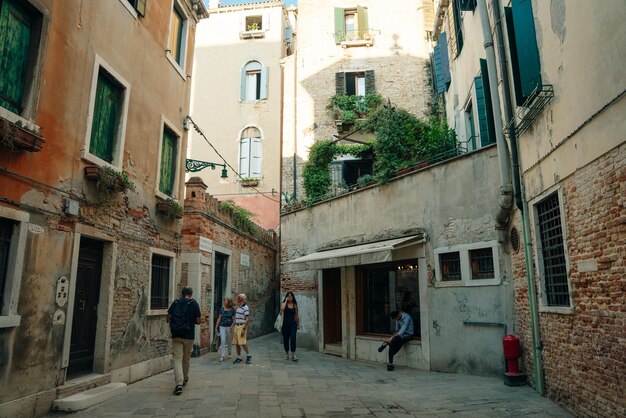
(253, 82)
(250, 153)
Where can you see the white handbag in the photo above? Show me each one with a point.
(278, 324)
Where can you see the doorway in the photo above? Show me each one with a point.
(331, 284)
(85, 314)
(220, 281)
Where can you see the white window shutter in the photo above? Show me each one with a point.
(244, 157)
(242, 86)
(255, 158)
(264, 76)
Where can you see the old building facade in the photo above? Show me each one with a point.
(224, 256)
(237, 101)
(561, 84)
(92, 147)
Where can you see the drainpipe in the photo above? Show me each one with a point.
(521, 205)
(295, 125)
(506, 189)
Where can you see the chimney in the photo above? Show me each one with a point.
(214, 4)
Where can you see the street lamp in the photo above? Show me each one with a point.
(193, 166)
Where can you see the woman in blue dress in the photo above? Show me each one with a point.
(291, 324)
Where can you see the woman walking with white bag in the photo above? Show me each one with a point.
(291, 324)
(225, 322)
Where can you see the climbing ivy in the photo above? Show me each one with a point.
(241, 216)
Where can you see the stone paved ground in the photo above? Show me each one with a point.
(319, 385)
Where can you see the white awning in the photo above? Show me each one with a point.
(375, 252)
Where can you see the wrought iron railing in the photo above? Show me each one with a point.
(530, 110)
(365, 35)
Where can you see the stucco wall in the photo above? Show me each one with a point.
(216, 106)
(434, 199)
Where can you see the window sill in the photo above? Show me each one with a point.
(10, 321)
(468, 283)
(14, 118)
(92, 159)
(564, 310)
(356, 42)
(379, 337)
(130, 9)
(164, 197)
(252, 34)
(176, 66)
(156, 312)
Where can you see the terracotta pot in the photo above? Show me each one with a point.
(249, 183)
(92, 172)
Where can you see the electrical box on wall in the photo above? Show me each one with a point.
(71, 207)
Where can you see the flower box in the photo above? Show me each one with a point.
(92, 172)
(14, 136)
(249, 183)
(170, 208)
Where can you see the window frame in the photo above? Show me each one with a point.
(245, 33)
(260, 157)
(539, 265)
(118, 149)
(184, 40)
(262, 81)
(9, 316)
(166, 123)
(172, 279)
(465, 261)
(134, 10)
(34, 73)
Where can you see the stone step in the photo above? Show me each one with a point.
(91, 397)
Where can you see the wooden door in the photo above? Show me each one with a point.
(332, 306)
(219, 282)
(85, 315)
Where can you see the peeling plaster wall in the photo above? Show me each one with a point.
(434, 199)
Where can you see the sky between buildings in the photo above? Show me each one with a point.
(229, 2)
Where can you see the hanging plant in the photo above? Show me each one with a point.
(170, 209)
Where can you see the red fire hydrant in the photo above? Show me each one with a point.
(512, 351)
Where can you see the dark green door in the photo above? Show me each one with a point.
(219, 282)
(85, 315)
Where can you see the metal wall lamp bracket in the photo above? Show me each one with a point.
(193, 166)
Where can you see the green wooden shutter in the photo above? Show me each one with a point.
(168, 162)
(526, 42)
(491, 127)
(458, 26)
(106, 117)
(340, 25)
(264, 79)
(370, 82)
(362, 21)
(467, 5)
(441, 64)
(340, 83)
(15, 37)
(517, 83)
(483, 128)
(141, 7)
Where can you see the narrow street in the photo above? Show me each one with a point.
(319, 385)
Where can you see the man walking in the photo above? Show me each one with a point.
(242, 319)
(404, 333)
(182, 316)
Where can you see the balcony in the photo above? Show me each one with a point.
(16, 136)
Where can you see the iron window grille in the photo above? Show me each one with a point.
(481, 261)
(159, 288)
(450, 266)
(553, 251)
(6, 232)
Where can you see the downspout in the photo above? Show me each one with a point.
(521, 205)
(295, 127)
(506, 189)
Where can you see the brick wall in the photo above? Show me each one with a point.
(583, 352)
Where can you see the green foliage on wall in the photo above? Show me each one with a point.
(241, 216)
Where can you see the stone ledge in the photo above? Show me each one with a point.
(88, 398)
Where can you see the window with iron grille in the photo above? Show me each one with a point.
(481, 261)
(552, 252)
(450, 266)
(160, 282)
(6, 233)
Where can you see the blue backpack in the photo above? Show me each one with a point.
(179, 323)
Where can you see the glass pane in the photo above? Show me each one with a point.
(450, 266)
(159, 289)
(482, 264)
(360, 86)
(252, 85)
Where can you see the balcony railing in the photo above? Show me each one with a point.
(530, 110)
(356, 37)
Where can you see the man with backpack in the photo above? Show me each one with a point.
(182, 316)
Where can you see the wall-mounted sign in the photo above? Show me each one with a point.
(35, 229)
(206, 245)
(63, 285)
(245, 260)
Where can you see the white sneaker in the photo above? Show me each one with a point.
(221, 358)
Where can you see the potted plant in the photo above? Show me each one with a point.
(253, 26)
(108, 181)
(170, 208)
(249, 182)
(16, 136)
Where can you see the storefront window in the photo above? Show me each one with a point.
(381, 290)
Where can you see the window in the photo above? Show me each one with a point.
(177, 47)
(484, 107)
(456, 28)
(347, 172)
(161, 281)
(470, 128)
(352, 26)
(475, 264)
(13, 231)
(481, 261)
(551, 252)
(357, 83)
(254, 23)
(138, 6)
(20, 32)
(253, 82)
(250, 153)
(450, 266)
(381, 290)
(107, 115)
(525, 64)
(168, 168)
